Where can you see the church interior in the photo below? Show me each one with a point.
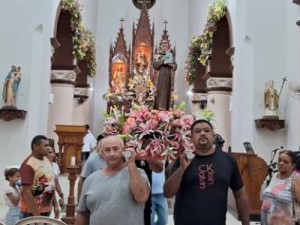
(76, 61)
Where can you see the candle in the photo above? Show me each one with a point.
(73, 163)
(122, 111)
(110, 109)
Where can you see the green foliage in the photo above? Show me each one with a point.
(215, 13)
(192, 60)
(83, 40)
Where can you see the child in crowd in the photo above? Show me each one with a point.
(12, 195)
(52, 158)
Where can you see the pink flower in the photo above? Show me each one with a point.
(110, 130)
(152, 123)
(188, 121)
(178, 123)
(178, 113)
(146, 115)
(127, 129)
(155, 147)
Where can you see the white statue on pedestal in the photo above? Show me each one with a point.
(271, 99)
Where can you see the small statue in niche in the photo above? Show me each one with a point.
(141, 62)
(11, 85)
(271, 99)
(118, 82)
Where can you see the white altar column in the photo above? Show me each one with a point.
(218, 100)
(81, 106)
(61, 100)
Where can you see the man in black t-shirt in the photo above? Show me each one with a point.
(201, 184)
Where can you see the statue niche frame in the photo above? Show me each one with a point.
(119, 66)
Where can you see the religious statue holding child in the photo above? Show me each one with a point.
(165, 63)
(11, 85)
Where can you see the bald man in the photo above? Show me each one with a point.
(115, 194)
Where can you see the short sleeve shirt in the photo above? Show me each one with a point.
(39, 174)
(109, 199)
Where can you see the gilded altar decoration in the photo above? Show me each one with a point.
(83, 40)
(215, 13)
(192, 60)
(141, 87)
(153, 133)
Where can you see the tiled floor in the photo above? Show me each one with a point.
(231, 220)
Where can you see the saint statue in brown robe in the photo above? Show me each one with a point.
(164, 62)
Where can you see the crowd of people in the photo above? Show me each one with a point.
(114, 189)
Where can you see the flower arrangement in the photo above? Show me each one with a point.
(83, 40)
(153, 133)
(141, 86)
(192, 60)
(116, 98)
(215, 13)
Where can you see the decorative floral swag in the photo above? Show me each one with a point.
(83, 40)
(200, 46)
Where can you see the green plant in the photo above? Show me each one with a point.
(192, 60)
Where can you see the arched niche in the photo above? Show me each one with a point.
(142, 57)
(200, 82)
(63, 56)
(81, 78)
(220, 64)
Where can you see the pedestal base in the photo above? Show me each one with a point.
(270, 122)
(11, 113)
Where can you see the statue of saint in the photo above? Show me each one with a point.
(118, 82)
(164, 62)
(271, 99)
(11, 85)
(141, 63)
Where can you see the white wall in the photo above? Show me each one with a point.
(266, 48)
(26, 28)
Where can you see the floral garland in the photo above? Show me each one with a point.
(216, 12)
(83, 40)
(192, 60)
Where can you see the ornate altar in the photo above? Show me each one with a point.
(131, 75)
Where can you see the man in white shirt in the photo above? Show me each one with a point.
(89, 143)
